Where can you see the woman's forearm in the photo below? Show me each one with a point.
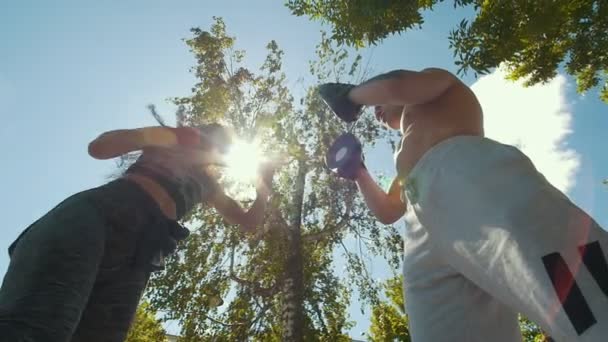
(255, 215)
(115, 143)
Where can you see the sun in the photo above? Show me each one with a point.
(242, 160)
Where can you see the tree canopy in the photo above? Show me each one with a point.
(146, 327)
(281, 283)
(532, 38)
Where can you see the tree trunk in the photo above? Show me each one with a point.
(293, 288)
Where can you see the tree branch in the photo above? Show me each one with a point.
(233, 90)
(260, 314)
(330, 229)
(259, 105)
(280, 221)
(317, 310)
(222, 323)
(214, 320)
(345, 249)
(255, 287)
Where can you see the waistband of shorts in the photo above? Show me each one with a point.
(132, 205)
(435, 154)
(126, 195)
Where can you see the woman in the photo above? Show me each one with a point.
(77, 273)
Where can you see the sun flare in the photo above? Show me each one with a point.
(243, 160)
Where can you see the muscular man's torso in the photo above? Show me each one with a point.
(456, 112)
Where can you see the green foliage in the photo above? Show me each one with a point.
(311, 211)
(361, 22)
(389, 320)
(532, 38)
(530, 331)
(145, 327)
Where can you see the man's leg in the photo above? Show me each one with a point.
(442, 305)
(451, 308)
(504, 227)
(51, 273)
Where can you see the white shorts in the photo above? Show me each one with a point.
(487, 237)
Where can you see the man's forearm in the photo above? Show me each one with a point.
(402, 87)
(373, 195)
(385, 208)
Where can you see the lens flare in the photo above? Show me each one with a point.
(242, 160)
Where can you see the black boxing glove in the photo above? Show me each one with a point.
(335, 95)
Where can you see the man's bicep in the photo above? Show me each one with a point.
(437, 80)
(420, 87)
(398, 202)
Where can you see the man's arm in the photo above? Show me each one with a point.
(387, 207)
(403, 87)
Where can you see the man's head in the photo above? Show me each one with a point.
(389, 115)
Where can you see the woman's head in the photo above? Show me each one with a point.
(207, 136)
(216, 136)
(197, 145)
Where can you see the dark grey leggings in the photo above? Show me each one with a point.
(73, 274)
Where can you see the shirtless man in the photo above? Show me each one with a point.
(486, 235)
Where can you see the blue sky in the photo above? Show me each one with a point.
(70, 70)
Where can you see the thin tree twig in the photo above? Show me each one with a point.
(255, 287)
(329, 229)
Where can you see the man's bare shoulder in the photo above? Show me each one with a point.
(440, 72)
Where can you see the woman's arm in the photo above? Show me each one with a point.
(116, 143)
(235, 214)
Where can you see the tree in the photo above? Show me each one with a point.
(390, 321)
(145, 327)
(531, 332)
(362, 22)
(279, 284)
(532, 38)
